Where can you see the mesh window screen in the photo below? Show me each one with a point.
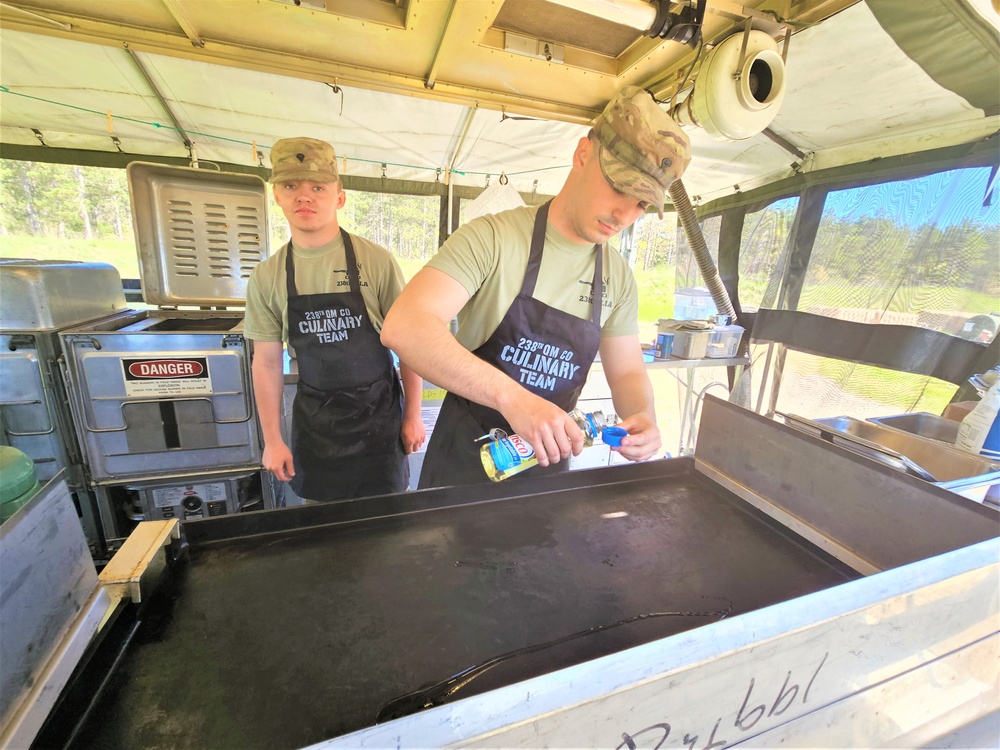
(763, 253)
(688, 276)
(922, 252)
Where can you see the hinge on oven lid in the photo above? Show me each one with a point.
(230, 340)
(21, 341)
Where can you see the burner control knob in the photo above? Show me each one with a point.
(191, 502)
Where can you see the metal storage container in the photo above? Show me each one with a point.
(45, 295)
(924, 424)
(157, 393)
(38, 300)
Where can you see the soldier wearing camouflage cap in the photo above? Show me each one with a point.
(538, 293)
(325, 295)
(642, 149)
(294, 159)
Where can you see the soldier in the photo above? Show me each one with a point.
(538, 293)
(326, 294)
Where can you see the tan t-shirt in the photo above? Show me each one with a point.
(489, 255)
(317, 271)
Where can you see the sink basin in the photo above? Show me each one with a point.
(923, 424)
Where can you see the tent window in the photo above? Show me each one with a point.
(919, 252)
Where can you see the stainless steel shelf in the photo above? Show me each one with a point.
(677, 363)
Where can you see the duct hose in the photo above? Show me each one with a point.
(685, 214)
(710, 274)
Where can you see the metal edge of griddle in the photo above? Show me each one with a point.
(95, 672)
(224, 528)
(865, 514)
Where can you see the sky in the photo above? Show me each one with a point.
(943, 199)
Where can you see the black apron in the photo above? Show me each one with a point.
(546, 350)
(347, 412)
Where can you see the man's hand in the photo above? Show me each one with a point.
(632, 393)
(277, 459)
(412, 433)
(552, 433)
(643, 439)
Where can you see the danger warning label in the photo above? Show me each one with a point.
(166, 377)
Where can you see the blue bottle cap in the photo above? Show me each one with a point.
(613, 435)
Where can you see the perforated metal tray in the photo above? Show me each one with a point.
(199, 233)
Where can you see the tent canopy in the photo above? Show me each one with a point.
(441, 90)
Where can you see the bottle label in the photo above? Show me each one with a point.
(510, 452)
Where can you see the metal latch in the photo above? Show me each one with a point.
(231, 339)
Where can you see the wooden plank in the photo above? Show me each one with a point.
(139, 562)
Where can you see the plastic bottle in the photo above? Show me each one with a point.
(979, 432)
(511, 455)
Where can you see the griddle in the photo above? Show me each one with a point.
(284, 628)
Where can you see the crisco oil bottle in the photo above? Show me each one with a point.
(511, 455)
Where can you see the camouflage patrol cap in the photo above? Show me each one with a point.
(642, 149)
(303, 159)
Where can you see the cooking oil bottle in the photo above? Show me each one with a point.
(511, 455)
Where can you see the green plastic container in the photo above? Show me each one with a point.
(18, 482)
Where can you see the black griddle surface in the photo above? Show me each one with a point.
(287, 639)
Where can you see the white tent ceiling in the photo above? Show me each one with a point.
(852, 93)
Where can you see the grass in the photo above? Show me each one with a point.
(119, 253)
(890, 388)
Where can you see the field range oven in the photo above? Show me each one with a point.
(161, 398)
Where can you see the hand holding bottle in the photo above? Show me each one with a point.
(510, 455)
(549, 431)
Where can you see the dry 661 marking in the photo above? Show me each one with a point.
(746, 718)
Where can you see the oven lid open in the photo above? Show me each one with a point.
(199, 233)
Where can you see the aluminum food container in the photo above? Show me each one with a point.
(950, 468)
(924, 424)
(691, 344)
(39, 295)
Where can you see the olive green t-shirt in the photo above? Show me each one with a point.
(488, 256)
(317, 271)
